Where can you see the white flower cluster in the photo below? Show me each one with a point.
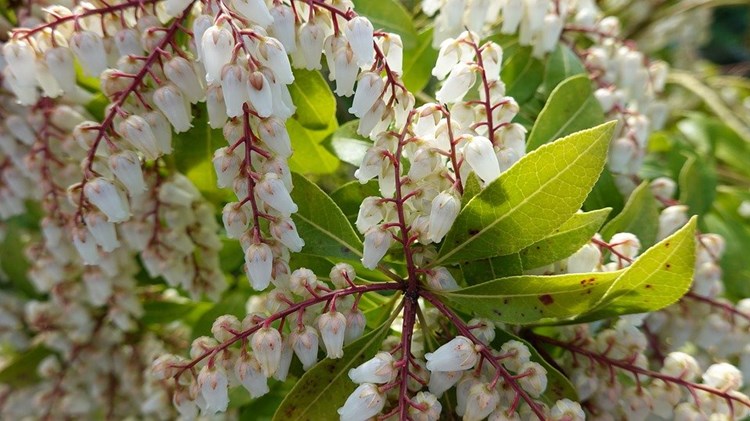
(329, 324)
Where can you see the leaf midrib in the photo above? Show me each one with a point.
(330, 234)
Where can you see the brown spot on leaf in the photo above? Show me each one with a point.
(473, 232)
(546, 299)
(668, 265)
(649, 286)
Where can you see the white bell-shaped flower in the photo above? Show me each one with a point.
(364, 403)
(272, 191)
(274, 134)
(492, 59)
(370, 213)
(21, 61)
(259, 264)
(626, 244)
(175, 8)
(458, 83)
(274, 55)
(248, 372)
(213, 384)
(346, 71)
(480, 402)
(89, 48)
(372, 165)
(286, 361)
(86, 247)
(458, 354)
(255, 11)
(378, 370)
(681, 365)
(174, 105)
(377, 243)
(448, 57)
(61, 59)
(663, 188)
(585, 259)
(233, 80)
(532, 378)
(161, 129)
(445, 208)
(369, 89)
(106, 196)
(267, 344)
(305, 345)
(260, 94)
(359, 33)
(227, 164)
(355, 325)
(302, 281)
(284, 230)
(440, 279)
(217, 45)
(393, 49)
(180, 72)
(312, 36)
(217, 110)
(102, 230)
(480, 155)
(332, 327)
(427, 407)
(621, 152)
(138, 132)
(283, 27)
(373, 118)
(235, 219)
(441, 381)
(671, 219)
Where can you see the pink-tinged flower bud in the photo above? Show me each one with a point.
(458, 354)
(480, 155)
(267, 344)
(217, 44)
(89, 49)
(259, 94)
(359, 33)
(166, 366)
(102, 230)
(445, 208)
(286, 360)
(86, 247)
(223, 327)
(355, 325)
(567, 410)
(458, 83)
(480, 402)
(217, 111)
(427, 407)
(369, 90)
(301, 280)
(723, 376)
(248, 372)
(274, 134)
(441, 381)
(61, 60)
(180, 72)
(258, 265)
(377, 243)
(440, 279)
(274, 55)
(128, 42)
(285, 231)
(305, 345)
(342, 274)
(138, 132)
(255, 11)
(370, 214)
(283, 27)
(585, 259)
(235, 219)
(176, 108)
(332, 327)
(227, 164)
(185, 403)
(393, 49)
(162, 131)
(106, 196)
(625, 244)
(663, 188)
(364, 403)
(377, 370)
(21, 60)
(213, 384)
(534, 379)
(272, 191)
(312, 36)
(233, 79)
(126, 167)
(518, 354)
(371, 122)
(372, 165)
(346, 71)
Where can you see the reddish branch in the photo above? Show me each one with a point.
(488, 108)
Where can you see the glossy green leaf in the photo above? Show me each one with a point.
(698, 184)
(472, 188)
(479, 271)
(658, 278)
(605, 194)
(348, 145)
(169, 311)
(640, 216)
(324, 388)
(419, 61)
(321, 223)
(21, 371)
(390, 16)
(725, 221)
(313, 98)
(522, 74)
(309, 156)
(198, 144)
(530, 299)
(13, 263)
(561, 64)
(350, 196)
(571, 107)
(527, 202)
(232, 303)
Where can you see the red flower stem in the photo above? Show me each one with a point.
(121, 97)
(728, 308)
(248, 138)
(454, 161)
(381, 286)
(410, 302)
(628, 365)
(486, 86)
(486, 353)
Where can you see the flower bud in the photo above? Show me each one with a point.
(217, 45)
(458, 83)
(585, 259)
(103, 194)
(89, 48)
(480, 402)
(441, 381)
(138, 132)
(61, 60)
(258, 265)
(355, 325)
(332, 327)
(284, 230)
(567, 410)
(248, 372)
(359, 33)
(305, 344)
(723, 376)
(379, 370)
(286, 360)
(227, 164)
(621, 153)
(103, 231)
(175, 107)
(427, 407)
(21, 61)
(255, 11)
(175, 8)
(364, 403)
(267, 345)
(445, 208)
(302, 280)
(480, 155)
(217, 110)
(235, 219)
(663, 188)
(259, 94)
(283, 27)
(86, 247)
(342, 274)
(517, 353)
(273, 133)
(180, 72)
(534, 380)
(440, 279)
(377, 243)
(671, 219)
(369, 90)
(458, 354)
(233, 80)
(625, 244)
(311, 37)
(213, 384)
(161, 129)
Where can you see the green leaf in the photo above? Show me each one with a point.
(698, 184)
(21, 370)
(321, 223)
(640, 216)
(348, 145)
(479, 271)
(472, 188)
(198, 144)
(350, 196)
(533, 299)
(312, 96)
(561, 64)
(658, 278)
(13, 262)
(324, 388)
(522, 74)
(571, 107)
(309, 156)
(527, 202)
(605, 194)
(163, 312)
(390, 16)
(232, 303)
(419, 61)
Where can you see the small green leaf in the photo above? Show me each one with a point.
(313, 98)
(698, 184)
(533, 299)
(605, 194)
(350, 196)
(321, 223)
(561, 64)
(198, 144)
(324, 388)
(472, 188)
(535, 196)
(390, 16)
(640, 216)
(348, 145)
(522, 74)
(419, 61)
(309, 156)
(658, 278)
(571, 107)
(21, 370)
(479, 271)
(725, 221)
